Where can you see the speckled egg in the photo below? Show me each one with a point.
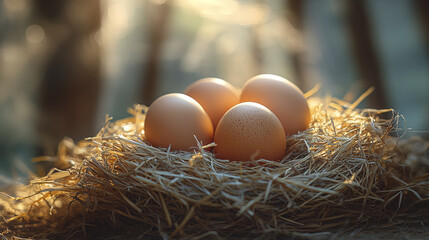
(174, 119)
(282, 97)
(250, 131)
(215, 95)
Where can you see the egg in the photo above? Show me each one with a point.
(174, 119)
(215, 95)
(250, 131)
(282, 97)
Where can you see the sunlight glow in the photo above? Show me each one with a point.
(35, 34)
(229, 11)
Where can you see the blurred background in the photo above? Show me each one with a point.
(65, 64)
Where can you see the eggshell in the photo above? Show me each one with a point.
(174, 119)
(282, 97)
(250, 131)
(215, 95)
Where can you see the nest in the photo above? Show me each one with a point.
(348, 170)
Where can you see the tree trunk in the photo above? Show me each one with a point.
(364, 52)
(296, 17)
(158, 30)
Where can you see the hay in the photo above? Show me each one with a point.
(345, 171)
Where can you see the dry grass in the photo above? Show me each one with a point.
(346, 170)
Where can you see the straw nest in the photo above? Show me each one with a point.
(347, 170)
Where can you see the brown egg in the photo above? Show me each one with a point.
(174, 119)
(282, 97)
(215, 95)
(250, 131)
